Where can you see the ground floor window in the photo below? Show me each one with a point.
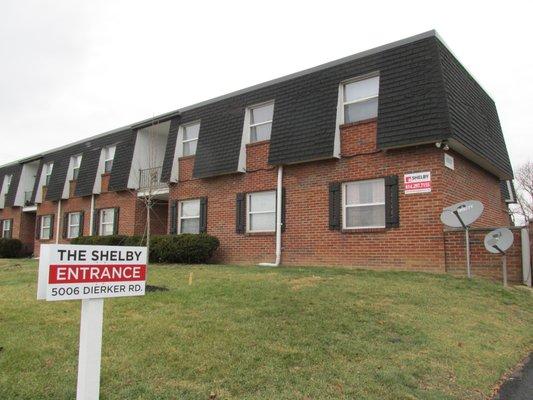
(6, 229)
(261, 211)
(73, 229)
(189, 216)
(363, 204)
(46, 227)
(107, 222)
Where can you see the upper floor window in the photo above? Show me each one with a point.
(360, 99)
(76, 162)
(261, 212)
(189, 216)
(109, 155)
(48, 171)
(8, 180)
(261, 122)
(363, 204)
(6, 228)
(74, 223)
(190, 139)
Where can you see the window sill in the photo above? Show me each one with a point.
(273, 233)
(364, 230)
(261, 142)
(186, 157)
(363, 121)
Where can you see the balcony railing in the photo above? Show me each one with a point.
(150, 179)
(27, 198)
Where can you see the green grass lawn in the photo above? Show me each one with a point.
(260, 333)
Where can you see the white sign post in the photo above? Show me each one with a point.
(90, 274)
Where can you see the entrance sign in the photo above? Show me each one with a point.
(418, 182)
(68, 272)
(462, 215)
(498, 241)
(90, 274)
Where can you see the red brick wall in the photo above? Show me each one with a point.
(469, 182)
(23, 225)
(418, 244)
(482, 262)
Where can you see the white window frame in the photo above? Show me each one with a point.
(183, 141)
(76, 163)
(48, 218)
(346, 103)
(48, 174)
(109, 155)
(250, 125)
(4, 230)
(101, 222)
(9, 179)
(70, 225)
(249, 212)
(345, 206)
(181, 217)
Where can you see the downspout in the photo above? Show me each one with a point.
(278, 220)
(91, 221)
(58, 222)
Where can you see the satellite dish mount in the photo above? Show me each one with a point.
(462, 215)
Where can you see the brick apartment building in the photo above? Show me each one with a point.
(306, 169)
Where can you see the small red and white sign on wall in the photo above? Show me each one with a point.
(417, 182)
(69, 272)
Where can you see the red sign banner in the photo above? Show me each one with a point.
(59, 274)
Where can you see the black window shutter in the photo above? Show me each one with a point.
(115, 221)
(392, 209)
(82, 220)
(11, 228)
(203, 214)
(96, 222)
(52, 218)
(335, 206)
(65, 225)
(173, 217)
(283, 207)
(240, 217)
(38, 227)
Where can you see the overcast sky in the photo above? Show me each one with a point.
(70, 69)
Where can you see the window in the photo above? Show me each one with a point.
(8, 180)
(73, 228)
(76, 162)
(109, 155)
(189, 216)
(6, 229)
(364, 204)
(360, 99)
(46, 227)
(190, 139)
(261, 215)
(48, 171)
(261, 122)
(107, 222)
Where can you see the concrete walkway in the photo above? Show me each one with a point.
(520, 385)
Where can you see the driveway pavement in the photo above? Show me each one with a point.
(520, 385)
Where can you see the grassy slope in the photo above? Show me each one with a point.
(286, 333)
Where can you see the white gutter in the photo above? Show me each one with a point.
(58, 222)
(91, 224)
(278, 220)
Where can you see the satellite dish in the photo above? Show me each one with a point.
(463, 214)
(499, 240)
